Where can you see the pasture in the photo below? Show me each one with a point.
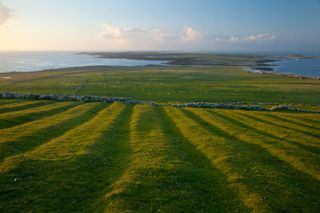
(98, 157)
(167, 84)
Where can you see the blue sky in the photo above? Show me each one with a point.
(209, 25)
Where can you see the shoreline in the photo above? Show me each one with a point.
(271, 71)
(261, 64)
(251, 69)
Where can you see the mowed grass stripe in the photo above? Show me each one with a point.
(70, 184)
(27, 136)
(302, 122)
(12, 134)
(251, 131)
(136, 190)
(3, 102)
(287, 135)
(219, 151)
(158, 179)
(21, 106)
(280, 184)
(309, 118)
(6, 103)
(284, 126)
(209, 186)
(76, 141)
(10, 119)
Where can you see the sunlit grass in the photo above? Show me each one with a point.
(216, 148)
(170, 84)
(302, 160)
(98, 157)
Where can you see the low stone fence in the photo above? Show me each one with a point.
(90, 98)
(220, 106)
(82, 98)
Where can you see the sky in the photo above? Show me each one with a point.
(184, 25)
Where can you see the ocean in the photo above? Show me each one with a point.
(37, 61)
(303, 67)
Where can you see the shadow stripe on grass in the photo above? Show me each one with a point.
(72, 184)
(311, 120)
(158, 179)
(141, 187)
(14, 103)
(8, 120)
(73, 142)
(220, 153)
(305, 125)
(306, 144)
(3, 102)
(27, 136)
(22, 105)
(76, 141)
(283, 125)
(210, 186)
(301, 160)
(280, 184)
(300, 121)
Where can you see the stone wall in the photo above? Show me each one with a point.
(91, 98)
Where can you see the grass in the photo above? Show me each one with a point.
(97, 157)
(22, 116)
(169, 84)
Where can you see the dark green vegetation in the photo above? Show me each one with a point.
(167, 84)
(179, 58)
(96, 157)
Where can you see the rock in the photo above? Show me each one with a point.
(89, 98)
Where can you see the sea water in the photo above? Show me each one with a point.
(304, 67)
(37, 61)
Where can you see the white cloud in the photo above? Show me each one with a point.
(127, 35)
(234, 39)
(110, 32)
(260, 37)
(148, 38)
(190, 34)
(5, 13)
(253, 38)
(128, 38)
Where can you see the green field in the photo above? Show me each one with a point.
(97, 157)
(167, 84)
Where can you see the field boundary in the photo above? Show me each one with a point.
(252, 106)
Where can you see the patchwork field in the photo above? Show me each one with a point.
(97, 157)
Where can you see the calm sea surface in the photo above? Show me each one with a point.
(36, 61)
(305, 67)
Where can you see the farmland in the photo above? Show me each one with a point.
(74, 156)
(167, 84)
(99, 157)
(159, 106)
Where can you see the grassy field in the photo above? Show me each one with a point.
(167, 84)
(97, 157)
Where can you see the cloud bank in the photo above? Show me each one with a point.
(149, 38)
(253, 38)
(189, 34)
(188, 38)
(5, 13)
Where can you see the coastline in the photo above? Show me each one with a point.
(271, 71)
(270, 66)
(256, 63)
